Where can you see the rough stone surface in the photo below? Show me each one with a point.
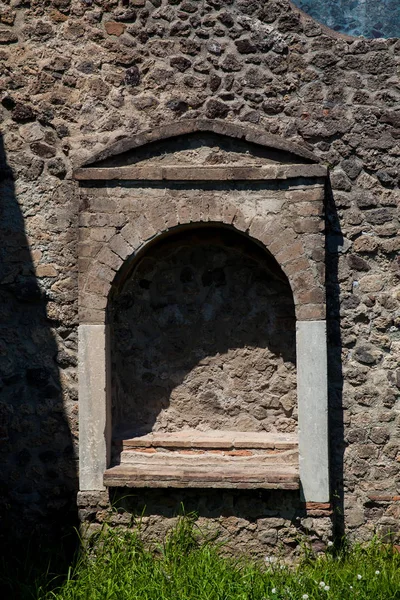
(337, 96)
(247, 522)
(187, 344)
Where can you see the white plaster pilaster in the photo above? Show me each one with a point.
(312, 394)
(94, 410)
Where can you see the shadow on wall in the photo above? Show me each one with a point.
(38, 478)
(334, 244)
(204, 337)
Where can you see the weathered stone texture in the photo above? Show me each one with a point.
(77, 76)
(187, 344)
(248, 522)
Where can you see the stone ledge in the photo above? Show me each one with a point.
(200, 173)
(212, 459)
(227, 440)
(286, 478)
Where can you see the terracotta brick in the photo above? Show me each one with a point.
(131, 235)
(89, 249)
(318, 509)
(101, 234)
(319, 513)
(120, 246)
(92, 301)
(171, 216)
(184, 212)
(307, 195)
(310, 312)
(91, 315)
(312, 295)
(308, 225)
(102, 271)
(318, 505)
(380, 497)
(289, 251)
(296, 266)
(96, 286)
(108, 257)
(228, 213)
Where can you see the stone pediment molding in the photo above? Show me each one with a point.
(113, 155)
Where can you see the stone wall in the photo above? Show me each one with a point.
(78, 75)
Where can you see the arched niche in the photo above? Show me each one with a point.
(143, 191)
(203, 337)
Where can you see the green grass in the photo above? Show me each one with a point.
(116, 565)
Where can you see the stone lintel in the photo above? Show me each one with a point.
(200, 173)
(94, 417)
(312, 394)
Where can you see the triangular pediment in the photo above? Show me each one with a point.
(192, 145)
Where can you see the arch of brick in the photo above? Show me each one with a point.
(286, 241)
(125, 208)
